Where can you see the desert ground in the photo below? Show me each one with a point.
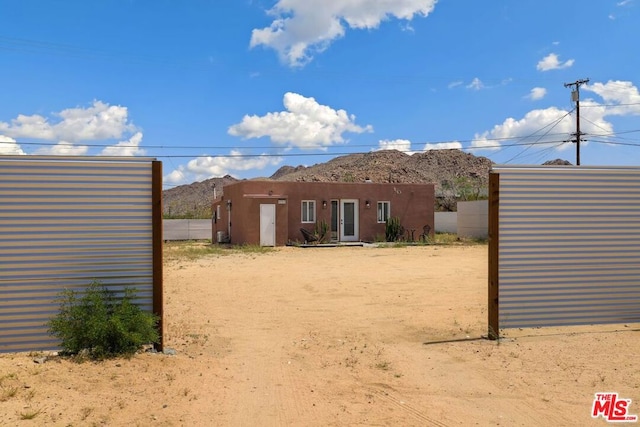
(342, 336)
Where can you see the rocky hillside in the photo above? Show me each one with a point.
(453, 171)
(193, 200)
(438, 166)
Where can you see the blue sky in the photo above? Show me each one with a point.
(243, 87)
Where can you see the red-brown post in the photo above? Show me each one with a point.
(156, 215)
(494, 212)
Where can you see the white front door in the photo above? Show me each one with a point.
(267, 225)
(349, 220)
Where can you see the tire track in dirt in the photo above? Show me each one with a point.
(270, 377)
(389, 395)
(475, 378)
(299, 399)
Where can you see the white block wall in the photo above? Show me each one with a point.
(473, 219)
(186, 229)
(446, 222)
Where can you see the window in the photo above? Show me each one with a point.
(384, 210)
(308, 211)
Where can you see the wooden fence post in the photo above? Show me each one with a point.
(156, 213)
(494, 213)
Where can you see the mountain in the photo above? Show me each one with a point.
(455, 173)
(193, 200)
(557, 162)
(436, 166)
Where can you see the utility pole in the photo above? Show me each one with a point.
(575, 96)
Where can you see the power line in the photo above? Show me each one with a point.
(372, 148)
(328, 153)
(234, 147)
(222, 147)
(541, 136)
(543, 153)
(613, 135)
(630, 104)
(630, 144)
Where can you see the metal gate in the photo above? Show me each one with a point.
(564, 246)
(67, 221)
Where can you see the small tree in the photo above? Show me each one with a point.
(102, 325)
(460, 189)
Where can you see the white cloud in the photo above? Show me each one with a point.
(177, 177)
(621, 97)
(130, 148)
(203, 168)
(552, 62)
(99, 121)
(537, 93)
(35, 126)
(532, 128)
(407, 27)
(9, 146)
(305, 124)
(302, 28)
(403, 145)
(64, 148)
(69, 127)
(620, 4)
(476, 84)
(443, 146)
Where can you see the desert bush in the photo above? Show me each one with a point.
(321, 230)
(98, 324)
(393, 229)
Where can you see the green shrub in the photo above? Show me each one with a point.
(101, 325)
(393, 229)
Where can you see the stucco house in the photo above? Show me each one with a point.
(272, 213)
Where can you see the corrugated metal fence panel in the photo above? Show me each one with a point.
(64, 224)
(569, 246)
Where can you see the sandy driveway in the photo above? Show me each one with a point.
(333, 337)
